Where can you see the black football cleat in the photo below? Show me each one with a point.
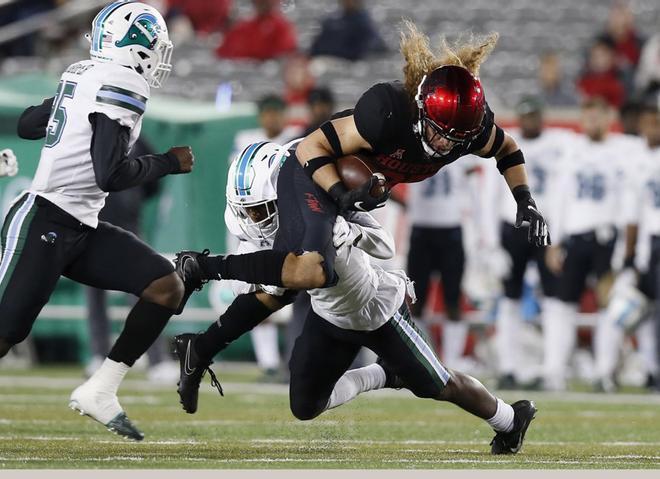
(511, 442)
(191, 373)
(391, 379)
(187, 266)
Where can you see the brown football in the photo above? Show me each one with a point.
(354, 172)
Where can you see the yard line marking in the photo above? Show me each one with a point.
(281, 389)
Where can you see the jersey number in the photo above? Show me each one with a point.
(591, 186)
(539, 175)
(58, 114)
(437, 184)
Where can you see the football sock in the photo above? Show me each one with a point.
(355, 382)
(559, 336)
(454, 334)
(98, 395)
(143, 325)
(264, 342)
(243, 314)
(502, 421)
(509, 322)
(109, 376)
(259, 267)
(646, 336)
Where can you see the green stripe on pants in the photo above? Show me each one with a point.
(12, 252)
(410, 342)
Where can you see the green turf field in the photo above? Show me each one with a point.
(251, 427)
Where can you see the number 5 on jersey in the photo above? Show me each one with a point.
(58, 115)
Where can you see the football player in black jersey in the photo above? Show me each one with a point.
(411, 129)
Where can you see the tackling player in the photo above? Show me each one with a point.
(53, 229)
(366, 307)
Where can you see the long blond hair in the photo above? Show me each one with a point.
(468, 51)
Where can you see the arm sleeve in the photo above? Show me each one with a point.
(33, 121)
(374, 115)
(375, 240)
(113, 169)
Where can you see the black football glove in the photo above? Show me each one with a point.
(359, 199)
(527, 212)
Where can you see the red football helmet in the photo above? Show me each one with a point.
(451, 101)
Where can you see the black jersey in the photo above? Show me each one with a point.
(384, 116)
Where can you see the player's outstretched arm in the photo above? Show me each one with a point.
(33, 121)
(115, 171)
(511, 163)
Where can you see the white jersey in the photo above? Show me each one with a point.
(543, 158)
(364, 298)
(643, 205)
(588, 194)
(65, 175)
(439, 201)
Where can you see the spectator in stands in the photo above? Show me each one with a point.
(268, 34)
(349, 33)
(648, 72)
(554, 90)
(621, 31)
(298, 79)
(206, 16)
(321, 104)
(629, 117)
(601, 77)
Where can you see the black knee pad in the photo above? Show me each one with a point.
(5, 346)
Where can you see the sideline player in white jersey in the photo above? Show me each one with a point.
(435, 208)
(366, 307)
(585, 212)
(53, 229)
(633, 305)
(545, 151)
(8, 163)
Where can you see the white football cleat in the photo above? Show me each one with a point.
(103, 407)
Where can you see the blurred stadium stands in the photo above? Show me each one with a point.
(526, 29)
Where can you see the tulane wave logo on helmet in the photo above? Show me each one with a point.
(144, 31)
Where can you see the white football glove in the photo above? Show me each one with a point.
(345, 234)
(8, 163)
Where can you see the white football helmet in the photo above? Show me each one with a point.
(252, 188)
(134, 35)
